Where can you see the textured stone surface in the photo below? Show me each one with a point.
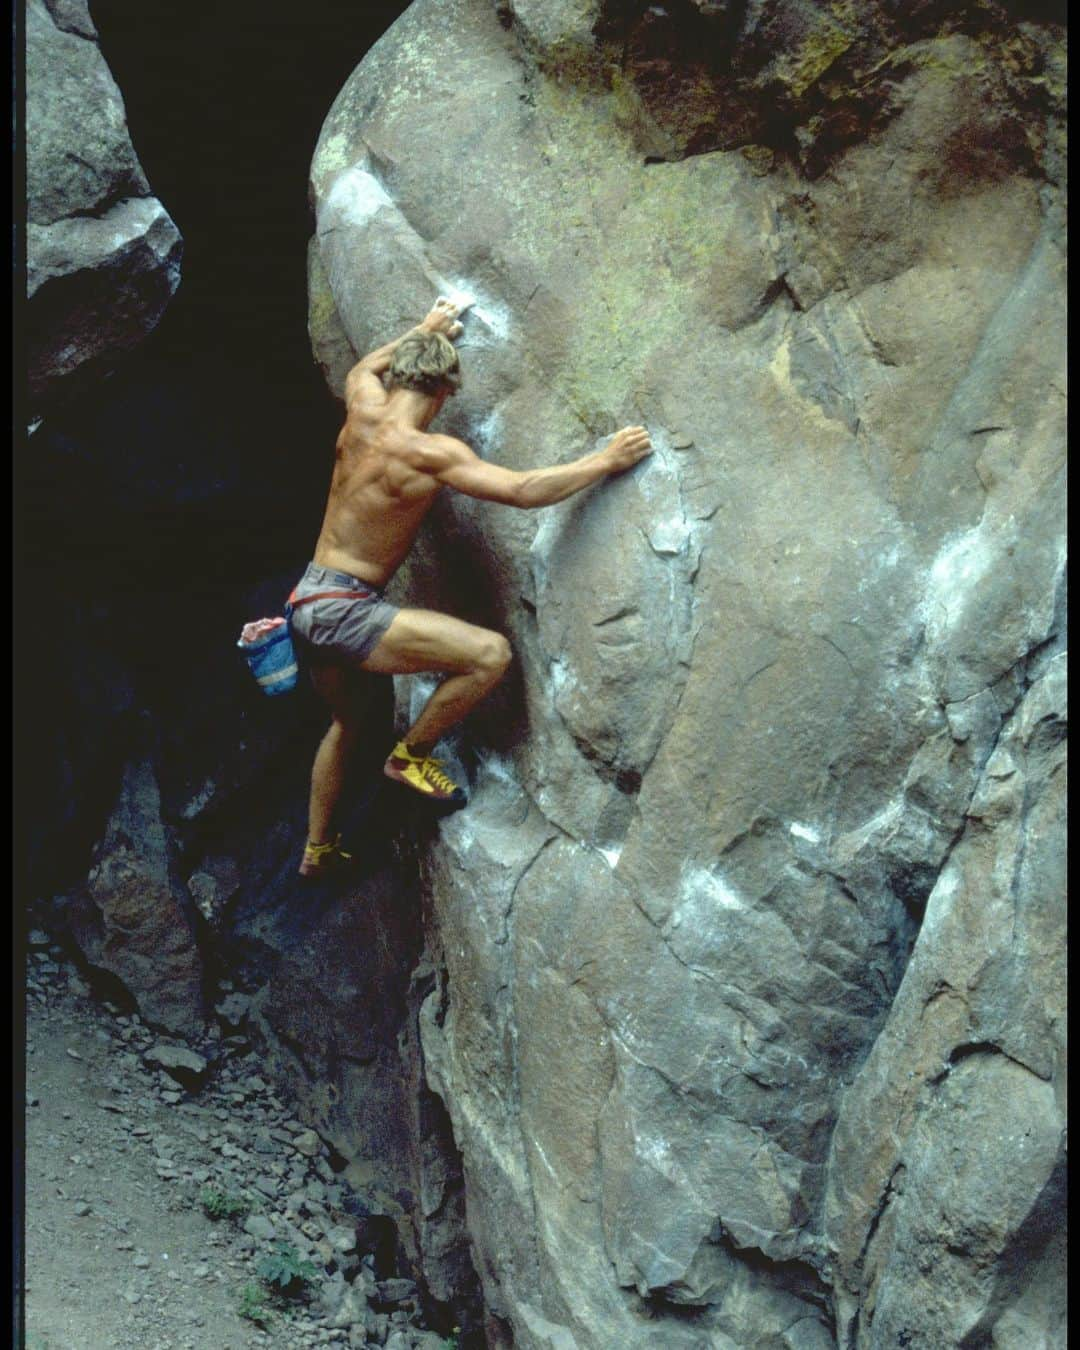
(765, 681)
(102, 254)
(947, 1224)
(133, 918)
(177, 1060)
(340, 978)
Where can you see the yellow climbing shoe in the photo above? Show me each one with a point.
(423, 774)
(319, 859)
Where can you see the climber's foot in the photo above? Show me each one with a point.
(321, 859)
(424, 775)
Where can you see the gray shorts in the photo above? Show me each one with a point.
(344, 628)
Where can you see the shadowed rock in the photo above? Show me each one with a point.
(102, 255)
(133, 918)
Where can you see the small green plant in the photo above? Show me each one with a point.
(219, 1204)
(253, 1304)
(454, 1342)
(284, 1269)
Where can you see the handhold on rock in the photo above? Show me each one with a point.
(459, 299)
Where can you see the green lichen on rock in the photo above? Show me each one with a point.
(760, 158)
(818, 51)
(805, 77)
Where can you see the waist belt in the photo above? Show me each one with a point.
(292, 601)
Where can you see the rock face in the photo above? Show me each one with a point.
(947, 1225)
(337, 1013)
(102, 255)
(133, 917)
(748, 994)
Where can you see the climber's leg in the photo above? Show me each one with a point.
(475, 659)
(334, 684)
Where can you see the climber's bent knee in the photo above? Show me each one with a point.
(494, 656)
(422, 639)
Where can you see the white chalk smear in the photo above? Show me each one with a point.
(486, 433)
(804, 832)
(495, 766)
(669, 532)
(700, 888)
(357, 197)
(561, 678)
(495, 316)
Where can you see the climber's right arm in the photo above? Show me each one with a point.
(451, 462)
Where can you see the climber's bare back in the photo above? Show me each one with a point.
(379, 492)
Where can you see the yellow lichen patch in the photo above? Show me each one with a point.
(956, 57)
(759, 157)
(333, 155)
(780, 370)
(322, 311)
(816, 54)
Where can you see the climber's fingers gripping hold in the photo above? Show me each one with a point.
(627, 447)
(442, 318)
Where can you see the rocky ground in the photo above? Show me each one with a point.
(133, 1144)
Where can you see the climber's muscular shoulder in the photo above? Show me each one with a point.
(366, 402)
(411, 464)
(365, 392)
(385, 465)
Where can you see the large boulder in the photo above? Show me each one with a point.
(767, 681)
(102, 254)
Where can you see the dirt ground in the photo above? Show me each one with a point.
(114, 1257)
(119, 1159)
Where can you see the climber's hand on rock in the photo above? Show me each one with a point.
(627, 447)
(442, 318)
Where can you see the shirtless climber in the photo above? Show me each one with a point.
(388, 471)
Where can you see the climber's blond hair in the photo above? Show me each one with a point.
(426, 362)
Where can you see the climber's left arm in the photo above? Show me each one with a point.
(364, 380)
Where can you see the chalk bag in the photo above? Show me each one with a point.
(271, 658)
